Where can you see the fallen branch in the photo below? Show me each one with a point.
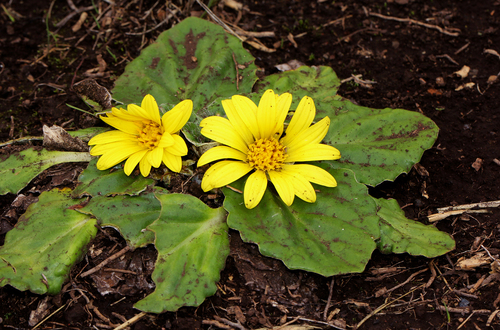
(409, 20)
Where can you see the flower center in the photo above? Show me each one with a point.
(150, 135)
(266, 154)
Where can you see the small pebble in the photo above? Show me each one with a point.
(440, 81)
(463, 302)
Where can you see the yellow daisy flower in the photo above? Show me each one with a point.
(253, 140)
(143, 137)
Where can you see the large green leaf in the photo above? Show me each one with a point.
(17, 170)
(130, 215)
(95, 182)
(399, 234)
(192, 244)
(193, 60)
(377, 144)
(334, 235)
(46, 242)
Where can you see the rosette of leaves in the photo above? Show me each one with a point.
(335, 235)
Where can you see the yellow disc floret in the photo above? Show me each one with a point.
(266, 154)
(150, 135)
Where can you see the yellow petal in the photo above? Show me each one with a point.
(155, 156)
(283, 103)
(113, 146)
(123, 125)
(179, 147)
(136, 110)
(220, 130)
(124, 114)
(282, 183)
(255, 187)
(173, 162)
(133, 160)
(151, 107)
(144, 166)
(312, 173)
(302, 118)
(176, 118)
(313, 152)
(115, 156)
(166, 140)
(236, 120)
(223, 173)
(311, 135)
(266, 114)
(112, 136)
(221, 152)
(303, 189)
(247, 110)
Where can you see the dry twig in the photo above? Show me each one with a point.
(131, 321)
(470, 206)
(105, 262)
(409, 20)
(329, 299)
(385, 305)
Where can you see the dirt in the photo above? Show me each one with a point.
(414, 68)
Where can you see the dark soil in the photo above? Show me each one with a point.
(413, 67)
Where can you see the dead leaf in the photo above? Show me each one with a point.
(434, 91)
(463, 72)
(57, 138)
(233, 4)
(290, 65)
(78, 25)
(236, 310)
(40, 312)
(420, 169)
(492, 52)
(477, 164)
(467, 85)
(381, 292)
(95, 95)
(492, 79)
(477, 260)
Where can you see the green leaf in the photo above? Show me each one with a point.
(45, 243)
(334, 235)
(192, 244)
(399, 234)
(377, 144)
(318, 82)
(17, 170)
(193, 60)
(114, 181)
(87, 133)
(130, 215)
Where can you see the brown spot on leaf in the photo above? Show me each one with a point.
(154, 63)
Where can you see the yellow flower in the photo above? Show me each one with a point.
(253, 140)
(143, 137)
